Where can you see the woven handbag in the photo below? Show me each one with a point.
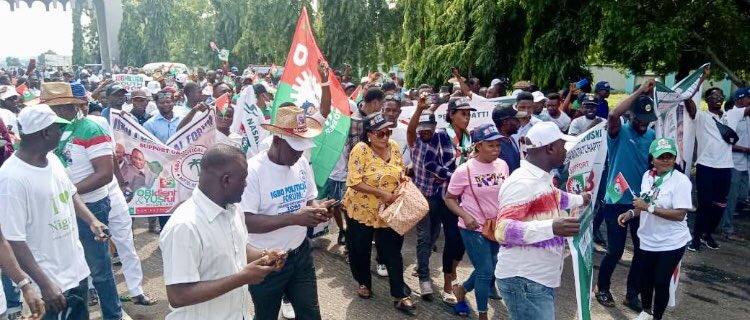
(408, 209)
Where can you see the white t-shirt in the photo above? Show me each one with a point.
(38, 209)
(657, 233)
(579, 125)
(736, 118)
(10, 119)
(273, 190)
(3, 307)
(233, 139)
(713, 152)
(562, 122)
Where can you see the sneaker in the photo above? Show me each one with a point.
(694, 246)
(287, 311)
(709, 241)
(633, 303)
(644, 316)
(425, 288)
(382, 271)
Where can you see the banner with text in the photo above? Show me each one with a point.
(130, 82)
(160, 176)
(585, 163)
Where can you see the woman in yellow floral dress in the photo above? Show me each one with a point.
(375, 170)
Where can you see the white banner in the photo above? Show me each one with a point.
(160, 176)
(585, 163)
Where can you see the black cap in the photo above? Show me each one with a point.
(460, 104)
(113, 88)
(589, 98)
(505, 111)
(376, 121)
(643, 109)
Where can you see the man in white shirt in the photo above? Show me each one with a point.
(589, 119)
(40, 206)
(740, 155)
(531, 228)
(524, 103)
(208, 279)
(279, 206)
(552, 110)
(713, 167)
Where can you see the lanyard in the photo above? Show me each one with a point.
(656, 184)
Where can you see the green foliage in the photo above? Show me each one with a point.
(12, 62)
(78, 53)
(193, 25)
(132, 52)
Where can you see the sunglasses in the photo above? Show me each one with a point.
(382, 133)
(391, 97)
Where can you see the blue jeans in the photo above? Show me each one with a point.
(12, 297)
(100, 262)
(483, 256)
(737, 191)
(526, 299)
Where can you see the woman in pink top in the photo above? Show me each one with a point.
(477, 183)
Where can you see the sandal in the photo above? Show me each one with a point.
(604, 298)
(404, 304)
(462, 309)
(364, 292)
(448, 298)
(143, 300)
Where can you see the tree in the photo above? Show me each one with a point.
(667, 36)
(227, 22)
(131, 35)
(155, 14)
(12, 62)
(267, 30)
(192, 26)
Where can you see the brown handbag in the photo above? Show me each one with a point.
(488, 228)
(408, 209)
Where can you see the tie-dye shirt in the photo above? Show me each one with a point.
(528, 248)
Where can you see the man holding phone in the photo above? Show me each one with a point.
(41, 205)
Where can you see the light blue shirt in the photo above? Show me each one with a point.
(161, 127)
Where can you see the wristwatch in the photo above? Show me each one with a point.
(651, 208)
(23, 283)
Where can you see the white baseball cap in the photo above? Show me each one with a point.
(545, 133)
(38, 117)
(297, 143)
(538, 96)
(7, 92)
(494, 82)
(516, 93)
(154, 87)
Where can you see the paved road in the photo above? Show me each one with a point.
(714, 285)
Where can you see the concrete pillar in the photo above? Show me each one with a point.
(630, 82)
(109, 18)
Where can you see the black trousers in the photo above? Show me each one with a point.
(388, 244)
(454, 246)
(713, 190)
(616, 237)
(657, 268)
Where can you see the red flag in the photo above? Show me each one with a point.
(222, 103)
(22, 89)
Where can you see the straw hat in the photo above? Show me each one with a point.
(58, 93)
(293, 121)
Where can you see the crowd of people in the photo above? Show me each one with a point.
(244, 233)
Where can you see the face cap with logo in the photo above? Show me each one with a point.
(485, 132)
(376, 121)
(590, 99)
(38, 117)
(661, 146)
(602, 85)
(426, 121)
(460, 104)
(741, 93)
(545, 133)
(643, 109)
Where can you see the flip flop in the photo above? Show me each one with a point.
(143, 300)
(448, 298)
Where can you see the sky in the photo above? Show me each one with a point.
(43, 30)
